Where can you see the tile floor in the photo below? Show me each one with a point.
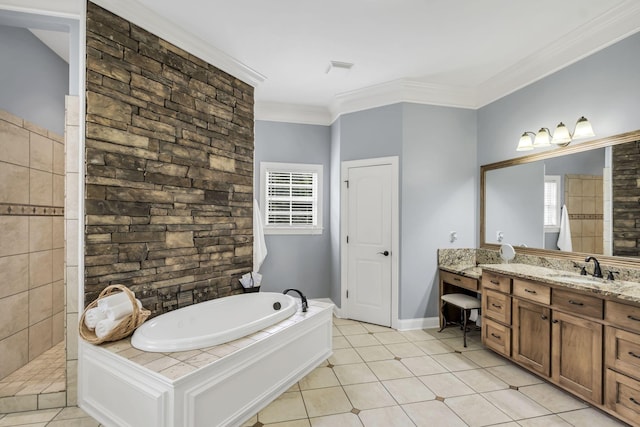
(44, 374)
(381, 377)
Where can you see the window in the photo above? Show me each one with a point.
(552, 203)
(291, 198)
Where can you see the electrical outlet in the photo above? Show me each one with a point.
(453, 236)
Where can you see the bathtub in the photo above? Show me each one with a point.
(213, 322)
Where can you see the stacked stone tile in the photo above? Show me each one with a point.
(169, 169)
(626, 199)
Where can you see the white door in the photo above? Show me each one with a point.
(369, 243)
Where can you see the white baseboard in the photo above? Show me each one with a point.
(336, 310)
(423, 323)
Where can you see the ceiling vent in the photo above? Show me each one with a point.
(339, 68)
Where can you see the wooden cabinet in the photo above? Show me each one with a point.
(532, 336)
(576, 356)
(496, 312)
(451, 283)
(497, 306)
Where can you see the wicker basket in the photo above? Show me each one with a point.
(126, 326)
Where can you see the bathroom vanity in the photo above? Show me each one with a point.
(578, 332)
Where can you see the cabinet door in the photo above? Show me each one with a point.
(576, 355)
(532, 336)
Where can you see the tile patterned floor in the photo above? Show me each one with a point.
(44, 374)
(381, 377)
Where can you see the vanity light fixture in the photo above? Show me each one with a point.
(561, 137)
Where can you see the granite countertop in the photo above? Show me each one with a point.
(623, 290)
(472, 271)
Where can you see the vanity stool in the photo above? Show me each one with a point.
(465, 302)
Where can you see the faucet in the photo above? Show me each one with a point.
(596, 269)
(305, 305)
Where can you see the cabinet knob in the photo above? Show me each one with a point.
(543, 317)
(632, 354)
(575, 302)
(554, 321)
(495, 336)
(633, 318)
(530, 291)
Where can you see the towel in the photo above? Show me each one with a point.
(113, 300)
(92, 317)
(259, 244)
(117, 312)
(105, 326)
(564, 239)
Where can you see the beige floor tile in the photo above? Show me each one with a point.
(373, 353)
(392, 416)
(369, 396)
(287, 407)
(340, 342)
(515, 404)
(376, 328)
(449, 332)
(446, 385)
(475, 410)
(76, 422)
(391, 337)
(354, 329)
(405, 349)
(432, 414)
(485, 358)
(589, 417)
(295, 423)
(344, 356)
(457, 344)
(408, 390)
(552, 397)
(339, 322)
(546, 421)
(326, 401)
(319, 378)
(433, 347)
(481, 381)
(70, 413)
(340, 420)
(336, 331)
(362, 340)
(423, 365)
(389, 370)
(514, 375)
(454, 362)
(356, 373)
(417, 335)
(30, 417)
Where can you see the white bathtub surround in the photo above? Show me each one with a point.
(223, 385)
(213, 322)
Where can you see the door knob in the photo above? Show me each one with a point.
(385, 253)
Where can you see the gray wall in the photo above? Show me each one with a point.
(604, 87)
(296, 261)
(34, 79)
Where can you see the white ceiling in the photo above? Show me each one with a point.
(463, 53)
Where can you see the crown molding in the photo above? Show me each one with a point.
(156, 24)
(69, 9)
(614, 25)
(292, 113)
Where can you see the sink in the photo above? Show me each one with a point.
(581, 280)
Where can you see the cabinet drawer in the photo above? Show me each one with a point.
(532, 291)
(622, 395)
(578, 303)
(496, 336)
(496, 282)
(497, 306)
(623, 315)
(460, 281)
(622, 351)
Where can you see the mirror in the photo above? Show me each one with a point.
(598, 184)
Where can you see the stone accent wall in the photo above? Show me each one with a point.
(169, 169)
(626, 199)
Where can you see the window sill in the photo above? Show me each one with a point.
(292, 230)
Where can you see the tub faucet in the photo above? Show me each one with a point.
(597, 272)
(305, 305)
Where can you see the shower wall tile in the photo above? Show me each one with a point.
(72, 196)
(71, 242)
(57, 328)
(40, 188)
(15, 235)
(40, 338)
(72, 289)
(14, 183)
(58, 232)
(57, 264)
(41, 153)
(57, 296)
(72, 339)
(15, 272)
(13, 314)
(40, 268)
(72, 149)
(15, 352)
(14, 144)
(58, 190)
(40, 233)
(40, 304)
(58, 158)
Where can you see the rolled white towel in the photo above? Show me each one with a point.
(105, 326)
(92, 317)
(113, 300)
(117, 312)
